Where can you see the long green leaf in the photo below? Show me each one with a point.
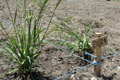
(58, 3)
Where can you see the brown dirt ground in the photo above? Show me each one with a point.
(53, 62)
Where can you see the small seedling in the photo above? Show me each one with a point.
(75, 41)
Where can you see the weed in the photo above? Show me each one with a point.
(74, 40)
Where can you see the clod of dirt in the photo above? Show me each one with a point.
(107, 77)
(51, 49)
(88, 22)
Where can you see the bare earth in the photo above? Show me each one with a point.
(53, 62)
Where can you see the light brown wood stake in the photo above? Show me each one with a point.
(97, 52)
(97, 45)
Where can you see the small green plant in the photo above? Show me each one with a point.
(24, 46)
(74, 40)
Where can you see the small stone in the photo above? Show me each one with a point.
(73, 76)
(118, 68)
(78, 78)
(93, 78)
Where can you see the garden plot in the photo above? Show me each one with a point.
(53, 62)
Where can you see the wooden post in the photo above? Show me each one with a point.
(97, 52)
(97, 45)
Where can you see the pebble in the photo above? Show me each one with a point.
(73, 76)
(93, 78)
(118, 68)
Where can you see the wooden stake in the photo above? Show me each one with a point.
(97, 45)
(97, 52)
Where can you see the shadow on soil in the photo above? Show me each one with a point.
(107, 77)
(38, 76)
(29, 76)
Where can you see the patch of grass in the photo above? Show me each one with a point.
(75, 41)
(26, 44)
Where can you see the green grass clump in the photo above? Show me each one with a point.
(25, 45)
(74, 40)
